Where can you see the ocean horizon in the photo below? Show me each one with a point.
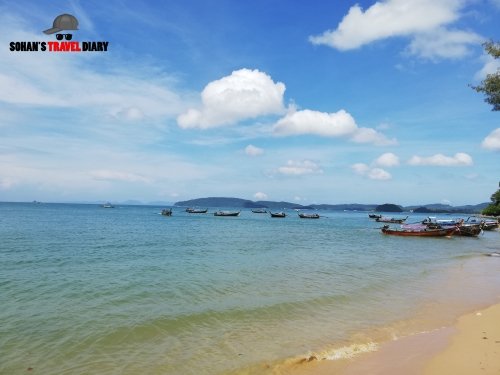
(88, 290)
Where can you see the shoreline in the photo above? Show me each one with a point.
(471, 345)
(421, 340)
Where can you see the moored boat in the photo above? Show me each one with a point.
(277, 214)
(392, 220)
(191, 210)
(166, 212)
(374, 216)
(487, 224)
(226, 213)
(425, 232)
(469, 230)
(309, 216)
(259, 211)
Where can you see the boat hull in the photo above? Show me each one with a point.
(278, 214)
(420, 233)
(196, 211)
(309, 216)
(222, 213)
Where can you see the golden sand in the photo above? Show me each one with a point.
(471, 346)
(475, 349)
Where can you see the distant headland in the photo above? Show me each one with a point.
(386, 207)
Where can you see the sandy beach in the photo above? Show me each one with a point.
(470, 346)
(474, 349)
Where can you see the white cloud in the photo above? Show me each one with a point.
(379, 174)
(360, 168)
(443, 44)
(369, 135)
(252, 150)
(242, 95)
(372, 173)
(387, 160)
(260, 196)
(460, 159)
(388, 19)
(491, 66)
(298, 168)
(492, 141)
(324, 124)
(421, 20)
(318, 123)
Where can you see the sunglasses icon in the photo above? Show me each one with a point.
(64, 36)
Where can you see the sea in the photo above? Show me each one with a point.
(92, 290)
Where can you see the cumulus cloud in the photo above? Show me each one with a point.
(369, 135)
(492, 141)
(387, 160)
(460, 159)
(420, 20)
(260, 196)
(252, 150)
(337, 124)
(371, 173)
(298, 168)
(242, 95)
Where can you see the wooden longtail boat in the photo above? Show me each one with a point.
(309, 216)
(277, 214)
(469, 230)
(419, 232)
(226, 213)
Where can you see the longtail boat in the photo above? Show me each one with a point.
(488, 224)
(196, 210)
(419, 232)
(374, 216)
(309, 216)
(226, 213)
(277, 214)
(469, 230)
(392, 220)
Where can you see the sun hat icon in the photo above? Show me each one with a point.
(63, 22)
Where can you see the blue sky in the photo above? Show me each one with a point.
(312, 102)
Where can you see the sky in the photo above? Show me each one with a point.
(308, 102)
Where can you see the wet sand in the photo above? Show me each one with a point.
(471, 346)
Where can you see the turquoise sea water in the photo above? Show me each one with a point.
(87, 290)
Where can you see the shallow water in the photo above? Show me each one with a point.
(126, 291)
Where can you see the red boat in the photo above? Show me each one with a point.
(441, 232)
